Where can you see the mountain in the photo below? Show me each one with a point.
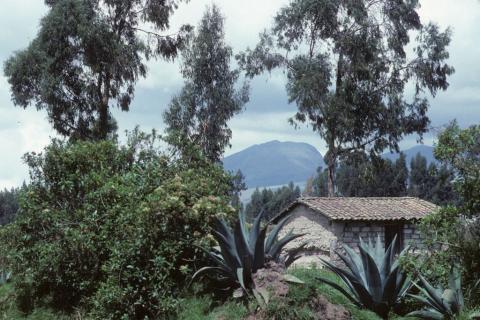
(426, 151)
(275, 163)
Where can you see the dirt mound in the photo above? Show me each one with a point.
(325, 310)
(271, 279)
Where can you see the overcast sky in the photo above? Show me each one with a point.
(265, 116)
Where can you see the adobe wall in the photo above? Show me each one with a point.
(325, 237)
(319, 233)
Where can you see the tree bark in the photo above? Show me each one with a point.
(103, 121)
(331, 163)
(332, 148)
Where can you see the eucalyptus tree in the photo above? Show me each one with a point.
(209, 97)
(348, 70)
(86, 59)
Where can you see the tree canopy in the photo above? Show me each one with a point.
(459, 149)
(209, 98)
(8, 205)
(87, 57)
(347, 70)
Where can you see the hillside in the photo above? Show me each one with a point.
(426, 151)
(275, 163)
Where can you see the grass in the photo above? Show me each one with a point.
(297, 305)
(202, 308)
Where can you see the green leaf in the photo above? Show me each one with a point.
(292, 279)
(259, 298)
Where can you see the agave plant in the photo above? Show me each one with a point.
(243, 250)
(374, 279)
(440, 303)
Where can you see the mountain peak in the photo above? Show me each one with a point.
(275, 162)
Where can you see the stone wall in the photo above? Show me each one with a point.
(412, 236)
(326, 237)
(319, 233)
(352, 231)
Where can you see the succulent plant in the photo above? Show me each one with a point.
(374, 279)
(243, 250)
(440, 303)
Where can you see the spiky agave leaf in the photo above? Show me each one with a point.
(373, 277)
(277, 246)
(242, 251)
(438, 302)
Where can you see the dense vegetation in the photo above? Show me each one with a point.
(347, 70)
(376, 177)
(93, 63)
(271, 202)
(8, 205)
(111, 230)
(362, 176)
(456, 230)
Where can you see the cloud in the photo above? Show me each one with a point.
(265, 116)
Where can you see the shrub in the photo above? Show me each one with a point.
(112, 228)
(449, 239)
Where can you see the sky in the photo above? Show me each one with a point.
(265, 116)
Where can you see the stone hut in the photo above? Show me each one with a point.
(330, 222)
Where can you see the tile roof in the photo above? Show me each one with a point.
(372, 208)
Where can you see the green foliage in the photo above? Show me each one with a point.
(458, 239)
(439, 230)
(9, 310)
(431, 182)
(8, 205)
(93, 62)
(347, 70)
(362, 176)
(374, 278)
(110, 228)
(320, 183)
(271, 202)
(204, 308)
(460, 150)
(310, 277)
(441, 303)
(242, 251)
(209, 99)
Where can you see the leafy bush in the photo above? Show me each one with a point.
(449, 239)
(452, 234)
(374, 278)
(460, 149)
(8, 205)
(112, 228)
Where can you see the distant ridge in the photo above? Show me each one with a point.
(275, 163)
(424, 150)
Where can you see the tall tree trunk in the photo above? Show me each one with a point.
(332, 148)
(103, 121)
(331, 163)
